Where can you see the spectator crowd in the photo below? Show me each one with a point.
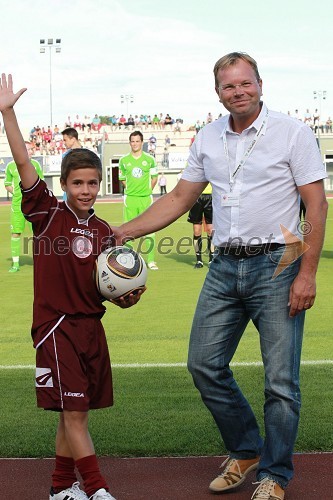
(49, 141)
(314, 121)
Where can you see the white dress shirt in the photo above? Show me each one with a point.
(264, 193)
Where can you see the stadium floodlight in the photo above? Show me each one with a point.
(50, 44)
(42, 46)
(128, 99)
(320, 95)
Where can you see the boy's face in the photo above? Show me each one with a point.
(82, 186)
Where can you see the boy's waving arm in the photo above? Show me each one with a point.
(19, 151)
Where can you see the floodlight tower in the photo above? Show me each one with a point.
(51, 45)
(128, 99)
(320, 95)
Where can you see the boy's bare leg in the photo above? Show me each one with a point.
(73, 438)
(74, 448)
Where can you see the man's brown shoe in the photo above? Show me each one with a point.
(268, 490)
(233, 474)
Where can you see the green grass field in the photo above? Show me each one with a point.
(157, 410)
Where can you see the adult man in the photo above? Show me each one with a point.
(96, 123)
(258, 163)
(71, 141)
(156, 121)
(152, 142)
(138, 173)
(12, 185)
(71, 138)
(162, 182)
(202, 214)
(177, 127)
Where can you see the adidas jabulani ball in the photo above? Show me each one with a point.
(119, 271)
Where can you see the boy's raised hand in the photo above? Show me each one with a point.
(7, 96)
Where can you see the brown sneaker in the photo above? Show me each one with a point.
(268, 490)
(234, 473)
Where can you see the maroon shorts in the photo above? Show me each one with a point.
(73, 370)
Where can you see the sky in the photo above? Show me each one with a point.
(162, 53)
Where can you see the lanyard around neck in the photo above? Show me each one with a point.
(246, 154)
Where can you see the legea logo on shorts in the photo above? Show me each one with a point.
(44, 377)
(74, 394)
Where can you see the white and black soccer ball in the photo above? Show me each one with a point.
(119, 271)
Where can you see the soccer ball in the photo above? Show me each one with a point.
(119, 271)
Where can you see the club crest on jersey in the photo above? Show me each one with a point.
(137, 172)
(43, 377)
(82, 247)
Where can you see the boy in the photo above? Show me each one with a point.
(73, 372)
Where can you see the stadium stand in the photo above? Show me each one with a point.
(171, 147)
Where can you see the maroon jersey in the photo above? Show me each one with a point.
(65, 250)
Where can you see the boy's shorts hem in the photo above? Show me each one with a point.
(73, 369)
(59, 410)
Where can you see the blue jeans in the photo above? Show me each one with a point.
(237, 291)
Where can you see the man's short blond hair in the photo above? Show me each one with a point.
(230, 60)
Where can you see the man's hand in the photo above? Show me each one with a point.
(302, 294)
(130, 300)
(7, 96)
(119, 237)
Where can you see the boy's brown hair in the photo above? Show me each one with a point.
(80, 158)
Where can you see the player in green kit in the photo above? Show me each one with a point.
(17, 220)
(138, 173)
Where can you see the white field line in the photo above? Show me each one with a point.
(174, 365)
(169, 458)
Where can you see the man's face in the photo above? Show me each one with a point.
(30, 150)
(136, 143)
(239, 90)
(68, 141)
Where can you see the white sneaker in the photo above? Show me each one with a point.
(153, 266)
(72, 493)
(101, 494)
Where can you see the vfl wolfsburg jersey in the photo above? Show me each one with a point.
(137, 172)
(12, 178)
